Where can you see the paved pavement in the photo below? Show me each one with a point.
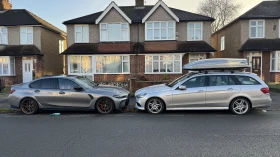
(275, 101)
(202, 134)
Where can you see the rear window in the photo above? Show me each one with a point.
(246, 80)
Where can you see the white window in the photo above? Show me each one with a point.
(160, 30)
(26, 35)
(222, 43)
(195, 31)
(112, 64)
(81, 34)
(163, 63)
(114, 32)
(196, 57)
(61, 46)
(80, 64)
(87, 65)
(257, 28)
(275, 61)
(7, 66)
(4, 35)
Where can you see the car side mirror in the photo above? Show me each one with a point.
(182, 88)
(78, 88)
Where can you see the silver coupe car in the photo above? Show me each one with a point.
(238, 92)
(67, 92)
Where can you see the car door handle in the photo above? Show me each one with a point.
(230, 89)
(61, 92)
(201, 91)
(37, 91)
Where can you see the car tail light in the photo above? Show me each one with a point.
(12, 91)
(265, 90)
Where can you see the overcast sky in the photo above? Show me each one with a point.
(57, 11)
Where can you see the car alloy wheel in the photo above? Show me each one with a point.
(29, 106)
(105, 105)
(240, 106)
(155, 106)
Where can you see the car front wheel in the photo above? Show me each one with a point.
(155, 106)
(240, 106)
(105, 106)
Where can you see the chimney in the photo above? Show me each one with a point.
(139, 3)
(5, 5)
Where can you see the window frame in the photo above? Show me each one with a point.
(276, 61)
(257, 26)
(205, 82)
(9, 66)
(240, 83)
(93, 66)
(121, 23)
(7, 38)
(153, 39)
(75, 33)
(122, 61)
(40, 84)
(194, 29)
(222, 48)
(59, 79)
(26, 33)
(158, 55)
(234, 79)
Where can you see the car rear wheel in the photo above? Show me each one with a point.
(29, 106)
(240, 106)
(155, 106)
(105, 106)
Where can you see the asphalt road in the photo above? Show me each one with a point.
(140, 134)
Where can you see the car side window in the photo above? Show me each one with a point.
(48, 84)
(35, 84)
(246, 80)
(195, 82)
(67, 84)
(222, 80)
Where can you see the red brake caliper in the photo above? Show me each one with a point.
(101, 106)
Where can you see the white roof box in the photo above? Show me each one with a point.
(217, 64)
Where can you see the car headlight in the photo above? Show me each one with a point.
(120, 96)
(141, 95)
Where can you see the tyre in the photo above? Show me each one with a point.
(105, 106)
(155, 106)
(240, 106)
(29, 106)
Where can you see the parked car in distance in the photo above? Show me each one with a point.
(216, 90)
(67, 93)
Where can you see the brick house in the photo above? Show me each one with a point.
(254, 35)
(143, 42)
(29, 46)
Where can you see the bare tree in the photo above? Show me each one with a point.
(223, 11)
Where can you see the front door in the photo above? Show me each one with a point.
(27, 67)
(68, 97)
(193, 96)
(256, 65)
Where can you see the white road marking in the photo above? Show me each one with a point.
(264, 110)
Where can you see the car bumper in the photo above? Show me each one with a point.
(124, 103)
(140, 103)
(264, 103)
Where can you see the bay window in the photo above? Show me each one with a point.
(114, 32)
(88, 65)
(275, 61)
(160, 30)
(81, 34)
(26, 35)
(112, 64)
(7, 66)
(195, 31)
(163, 63)
(257, 28)
(3, 35)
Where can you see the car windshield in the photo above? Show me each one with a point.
(180, 79)
(86, 82)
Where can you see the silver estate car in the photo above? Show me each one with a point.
(67, 92)
(237, 92)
